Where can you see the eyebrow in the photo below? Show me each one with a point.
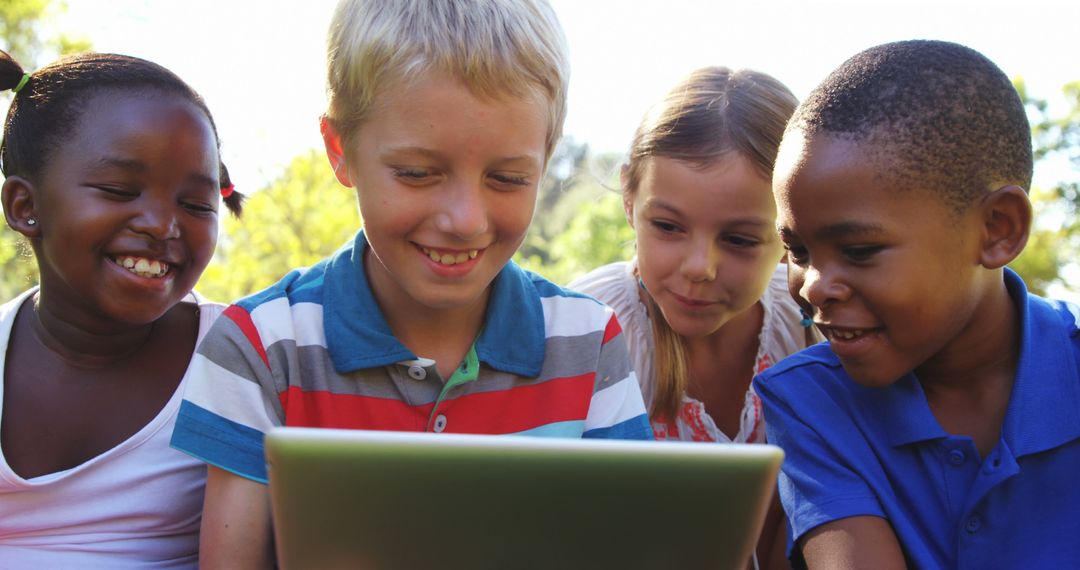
(840, 230)
(395, 150)
(659, 203)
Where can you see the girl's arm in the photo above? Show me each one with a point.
(854, 542)
(236, 531)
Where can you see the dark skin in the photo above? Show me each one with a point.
(122, 221)
(63, 407)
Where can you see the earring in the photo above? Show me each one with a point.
(31, 222)
(806, 321)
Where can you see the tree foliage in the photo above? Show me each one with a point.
(300, 218)
(25, 35)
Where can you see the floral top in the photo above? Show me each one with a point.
(781, 334)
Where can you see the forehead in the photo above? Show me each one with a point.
(135, 123)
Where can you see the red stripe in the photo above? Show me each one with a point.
(508, 411)
(243, 320)
(613, 329)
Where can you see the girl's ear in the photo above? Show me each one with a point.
(334, 151)
(1006, 219)
(627, 199)
(17, 196)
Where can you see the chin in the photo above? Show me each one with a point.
(871, 376)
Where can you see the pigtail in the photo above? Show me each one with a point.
(670, 373)
(234, 200)
(11, 73)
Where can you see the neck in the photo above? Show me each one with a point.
(82, 340)
(984, 354)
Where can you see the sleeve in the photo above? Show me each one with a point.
(230, 399)
(616, 410)
(825, 451)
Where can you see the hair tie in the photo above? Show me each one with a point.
(22, 82)
(806, 321)
(227, 191)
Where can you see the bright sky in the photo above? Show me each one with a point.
(260, 64)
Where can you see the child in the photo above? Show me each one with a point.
(112, 174)
(442, 116)
(704, 304)
(939, 426)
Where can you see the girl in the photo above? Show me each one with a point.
(113, 175)
(705, 303)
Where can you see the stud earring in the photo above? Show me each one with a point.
(806, 321)
(31, 222)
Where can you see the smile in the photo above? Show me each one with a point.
(449, 257)
(143, 267)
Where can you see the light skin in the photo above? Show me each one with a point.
(899, 281)
(135, 180)
(441, 173)
(706, 250)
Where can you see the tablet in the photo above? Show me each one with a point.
(402, 501)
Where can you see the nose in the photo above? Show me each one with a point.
(158, 219)
(701, 261)
(819, 287)
(463, 211)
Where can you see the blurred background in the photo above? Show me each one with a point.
(260, 66)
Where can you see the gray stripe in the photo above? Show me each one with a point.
(228, 347)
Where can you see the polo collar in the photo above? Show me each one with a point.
(358, 336)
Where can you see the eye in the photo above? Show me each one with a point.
(742, 241)
(861, 253)
(118, 192)
(664, 227)
(510, 179)
(199, 208)
(411, 175)
(797, 254)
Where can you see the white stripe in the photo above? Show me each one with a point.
(574, 316)
(1075, 310)
(615, 404)
(227, 395)
(276, 320)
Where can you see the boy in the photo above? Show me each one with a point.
(939, 426)
(442, 116)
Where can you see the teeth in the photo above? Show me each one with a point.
(143, 267)
(848, 335)
(450, 258)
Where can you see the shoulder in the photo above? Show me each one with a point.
(567, 309)
(817, 366)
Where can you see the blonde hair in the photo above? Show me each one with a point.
(495, 47)
(711, 113)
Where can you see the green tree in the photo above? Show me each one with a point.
(300, 218)
(1056, 236)
(26, 35)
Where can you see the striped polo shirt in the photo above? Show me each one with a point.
(314, 350)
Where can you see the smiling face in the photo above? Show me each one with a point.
(127, 208)
(890, 273)
(447, 185)
(706, 239)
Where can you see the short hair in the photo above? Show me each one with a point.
(50, 102)
(495, 47)
(939, 116)
(711, 114)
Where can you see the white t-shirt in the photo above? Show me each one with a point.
(137, 505)
(781, 334)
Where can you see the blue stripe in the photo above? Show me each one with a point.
(571, 429)
(634, 428)
(222, 443)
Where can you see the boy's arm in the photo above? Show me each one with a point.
(236, 531)
(617, 410)
(854, 542)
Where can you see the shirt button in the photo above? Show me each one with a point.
(956, 457)
(973, 525)
(417, 372)
(440, 423)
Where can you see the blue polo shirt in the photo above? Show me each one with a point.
(853, 450)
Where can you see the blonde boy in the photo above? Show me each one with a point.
(442, 117)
